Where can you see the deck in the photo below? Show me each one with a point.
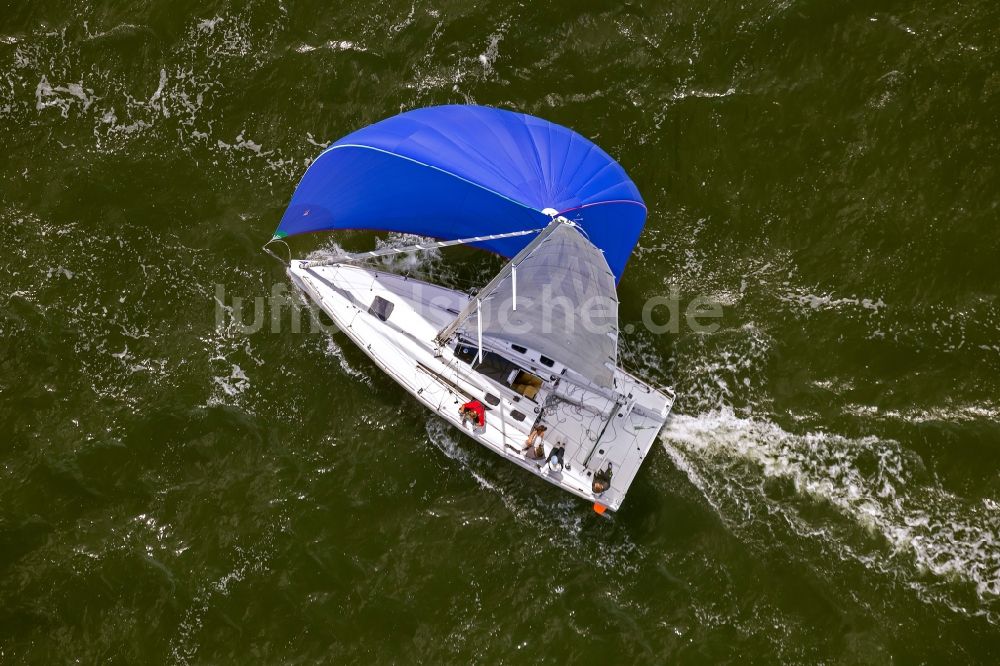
(597, 427)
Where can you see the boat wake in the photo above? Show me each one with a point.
(869, 499)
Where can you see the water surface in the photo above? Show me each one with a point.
(827, 491)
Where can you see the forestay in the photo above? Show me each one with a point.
(566, 304)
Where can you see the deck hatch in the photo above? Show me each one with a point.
(381, 308)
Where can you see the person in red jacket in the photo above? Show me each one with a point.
(473, 410)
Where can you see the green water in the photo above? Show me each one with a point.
(173, 491)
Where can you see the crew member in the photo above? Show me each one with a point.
(534, 438)
(474, 411)
(556, 457)
(602, 480)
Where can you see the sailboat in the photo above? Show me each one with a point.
(527, 365)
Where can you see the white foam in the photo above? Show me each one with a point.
(311, 140)
(188, 82)
(333, 45)
(704, 94)
(47, 96)
(829, 302)
(954, 413)
(244, 144)
(61, 272)
(406, 22)
(233, 384)
(875, 483)
(208, 25)
(333, 349)
(155, 101)
(492, 52)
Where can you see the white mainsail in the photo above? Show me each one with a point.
(566, 304)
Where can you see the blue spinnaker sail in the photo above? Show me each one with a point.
(457, 171)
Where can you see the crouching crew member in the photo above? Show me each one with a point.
(602, 480)
(473, 411)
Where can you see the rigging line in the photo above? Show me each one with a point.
(278, 240)
(442, 280)
(364, 256)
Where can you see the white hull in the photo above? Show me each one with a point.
(595, 428)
